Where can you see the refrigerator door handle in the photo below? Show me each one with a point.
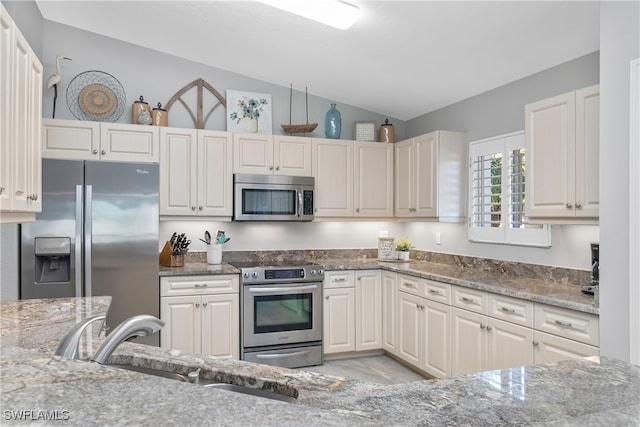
(88, 229)
(78, 245)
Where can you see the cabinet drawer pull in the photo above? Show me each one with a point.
(409, 285)
(563, 323)
(507, 310)
(434, 292)
(467, 299)
(569, 205)
(339, 279)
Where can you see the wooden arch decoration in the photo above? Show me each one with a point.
(198, 119)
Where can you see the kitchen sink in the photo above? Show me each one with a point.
(208, 383)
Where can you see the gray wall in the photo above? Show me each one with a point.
(619, 45)
(501, 110)
(158, 76)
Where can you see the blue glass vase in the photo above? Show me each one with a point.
(333, 123)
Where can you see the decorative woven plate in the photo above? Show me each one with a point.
(96, 95)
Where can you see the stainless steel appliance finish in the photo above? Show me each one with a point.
(97, 235)
(272, 198)
(281, 320)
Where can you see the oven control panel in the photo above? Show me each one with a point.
(255, 275)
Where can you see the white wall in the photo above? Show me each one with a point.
(619, 45)
(364, 234)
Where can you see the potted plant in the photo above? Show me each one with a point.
(403, 246)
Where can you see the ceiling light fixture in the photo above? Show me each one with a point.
(335, 13)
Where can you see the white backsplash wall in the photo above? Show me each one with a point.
(570, 244)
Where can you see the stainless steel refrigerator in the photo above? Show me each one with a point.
(97, 235)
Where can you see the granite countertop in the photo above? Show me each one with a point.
(500, 280)
(39, 387)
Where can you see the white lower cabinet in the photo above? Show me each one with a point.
(352, 312)
(424, 325)
(549, 348)
(389, 311)
(202, 315)
(339, 320)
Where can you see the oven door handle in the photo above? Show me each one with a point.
(262, 289)
(281, 355)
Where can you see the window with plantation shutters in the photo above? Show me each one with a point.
(497, 194)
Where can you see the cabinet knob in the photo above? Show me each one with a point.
(193, 208)
(103, 152)
(277, 168)
(482, 326)
(199, 208)
(1, 190)
(569, 205)
(204, 304)
(270, 168)
(488, 328)
(95, 151)
(357, 209)
(197, 304)
(32, 197)
(578, 206)
(535, 343)
(327, 297)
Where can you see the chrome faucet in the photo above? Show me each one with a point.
(136, 326)
(71, 342)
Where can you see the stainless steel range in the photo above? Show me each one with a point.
(281, 314)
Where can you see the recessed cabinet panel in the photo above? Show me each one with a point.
(71, 139)
(333, 171)
(129, 143)
(20, 125)
(182, 329)
(562, 139)
(339, 320)
(374, 179)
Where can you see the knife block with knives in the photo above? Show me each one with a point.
(174, 250)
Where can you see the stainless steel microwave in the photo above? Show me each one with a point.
(272, 198)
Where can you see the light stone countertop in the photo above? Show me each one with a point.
(35, 384)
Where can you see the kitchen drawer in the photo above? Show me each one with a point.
(199, 285)
(437, 291)
(339, 279)
(410, 284)
(575, 325)
(469, 299)
(512, 310)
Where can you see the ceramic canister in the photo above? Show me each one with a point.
(159, 116)
(137, 108)
(386, 132)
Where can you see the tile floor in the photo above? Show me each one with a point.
(378, 369)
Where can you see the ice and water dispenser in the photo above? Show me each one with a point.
(53, 259)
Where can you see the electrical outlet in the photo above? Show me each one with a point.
(437, 237)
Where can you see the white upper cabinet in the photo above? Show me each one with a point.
(353, 178)
(431, 176)
(20, 125)
(195, 172)
(87, 140)
(272, 154)
(562, 148)
(373, 173)
(333, 171)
